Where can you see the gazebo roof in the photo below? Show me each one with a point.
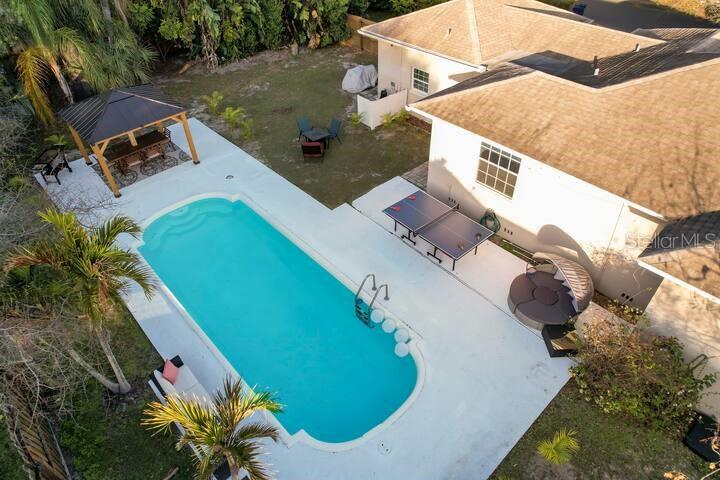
(119, 111)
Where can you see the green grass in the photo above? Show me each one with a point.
(275, 88)
(610, 447)
(10, 462)
(105, 437)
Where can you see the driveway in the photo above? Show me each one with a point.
(629, 15)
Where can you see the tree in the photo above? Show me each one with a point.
(218, 429)
(97, 271)
(69, 40)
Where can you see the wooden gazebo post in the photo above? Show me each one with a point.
(79, 143)
(188, 136)
(98, 150)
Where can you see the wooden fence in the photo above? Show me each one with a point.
(355, 23)
(33, 438)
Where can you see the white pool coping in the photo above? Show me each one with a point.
(486, 378)
(302, 436)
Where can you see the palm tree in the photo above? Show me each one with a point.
(217, 428)
(72, 37)
(98, 272)
(561, 448)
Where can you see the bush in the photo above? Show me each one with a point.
(647, 381)
(273, 28)
(358, 7)
(712, 11)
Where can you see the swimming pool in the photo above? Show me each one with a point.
(282, 321)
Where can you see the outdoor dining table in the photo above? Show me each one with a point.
(125, 154)
(317, 134)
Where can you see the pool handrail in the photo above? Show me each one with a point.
(387, 295)
(362, 284)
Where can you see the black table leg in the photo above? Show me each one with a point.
(434, 255)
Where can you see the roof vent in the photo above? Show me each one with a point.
(449, 31)
(637, 47)
(596, 67)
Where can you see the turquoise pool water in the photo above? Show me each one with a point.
(285, 323)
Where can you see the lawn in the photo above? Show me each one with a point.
(275, 88)
(105, 438)
(611, 448)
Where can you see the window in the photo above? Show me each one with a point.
(421, 80)
(498, 169)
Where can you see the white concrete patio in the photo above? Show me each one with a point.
(487, 376)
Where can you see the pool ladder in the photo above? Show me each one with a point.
(363, 310)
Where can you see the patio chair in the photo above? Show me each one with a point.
(312, 149)
(334, 130)
(51, 162)
(304, 125)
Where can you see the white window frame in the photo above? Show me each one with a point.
(498, 172)
(426, 82)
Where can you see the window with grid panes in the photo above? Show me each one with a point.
(498, 169)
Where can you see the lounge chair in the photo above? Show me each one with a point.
(51, 162)
(334, 130)
(312, 149)
(304, 125)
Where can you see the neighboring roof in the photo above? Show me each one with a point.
(675, 52)
(688, 249)
(476, 31)
(654, 141)
(118, 111)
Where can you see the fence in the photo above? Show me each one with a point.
(355, 23)
(34, 439)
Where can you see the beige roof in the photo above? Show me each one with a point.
(476, 31)
(654, 141)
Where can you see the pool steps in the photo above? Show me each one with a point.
(363, 309)
(185, 219)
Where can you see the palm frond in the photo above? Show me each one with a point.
(32, 67)
(561, 448)
(38, 17)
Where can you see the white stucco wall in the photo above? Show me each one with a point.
(550, 211)
(695, 321)
(395, 64)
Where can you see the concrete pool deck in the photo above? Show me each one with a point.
(486, 376)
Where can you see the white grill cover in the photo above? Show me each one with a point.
(359, 78)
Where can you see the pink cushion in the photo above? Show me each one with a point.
(170, 372)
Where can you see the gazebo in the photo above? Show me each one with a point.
(123, 112)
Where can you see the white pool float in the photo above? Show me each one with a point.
(402, 349)
(377, 315)
(402, 335)
(388, 325)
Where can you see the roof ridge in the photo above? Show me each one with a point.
(473, 27)
(174, 105)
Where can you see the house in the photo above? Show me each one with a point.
(599, 145)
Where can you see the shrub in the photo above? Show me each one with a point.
(356, 118)
(388, 119)
(402, 116)
(56, 139)
(212, 101)
(712, 11)
(273, 28)
(358, 7)
(232, 116)
(561, 448)
(246, 127)
(647, 381)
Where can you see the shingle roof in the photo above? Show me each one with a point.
(477, 31)
(118, 111)
(654, 141)
(689, 249)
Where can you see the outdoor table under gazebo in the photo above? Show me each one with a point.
(125, 112)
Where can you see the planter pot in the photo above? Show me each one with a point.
(294, 48)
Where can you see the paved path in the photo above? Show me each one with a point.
(632, 14)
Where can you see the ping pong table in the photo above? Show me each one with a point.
(442, 226)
